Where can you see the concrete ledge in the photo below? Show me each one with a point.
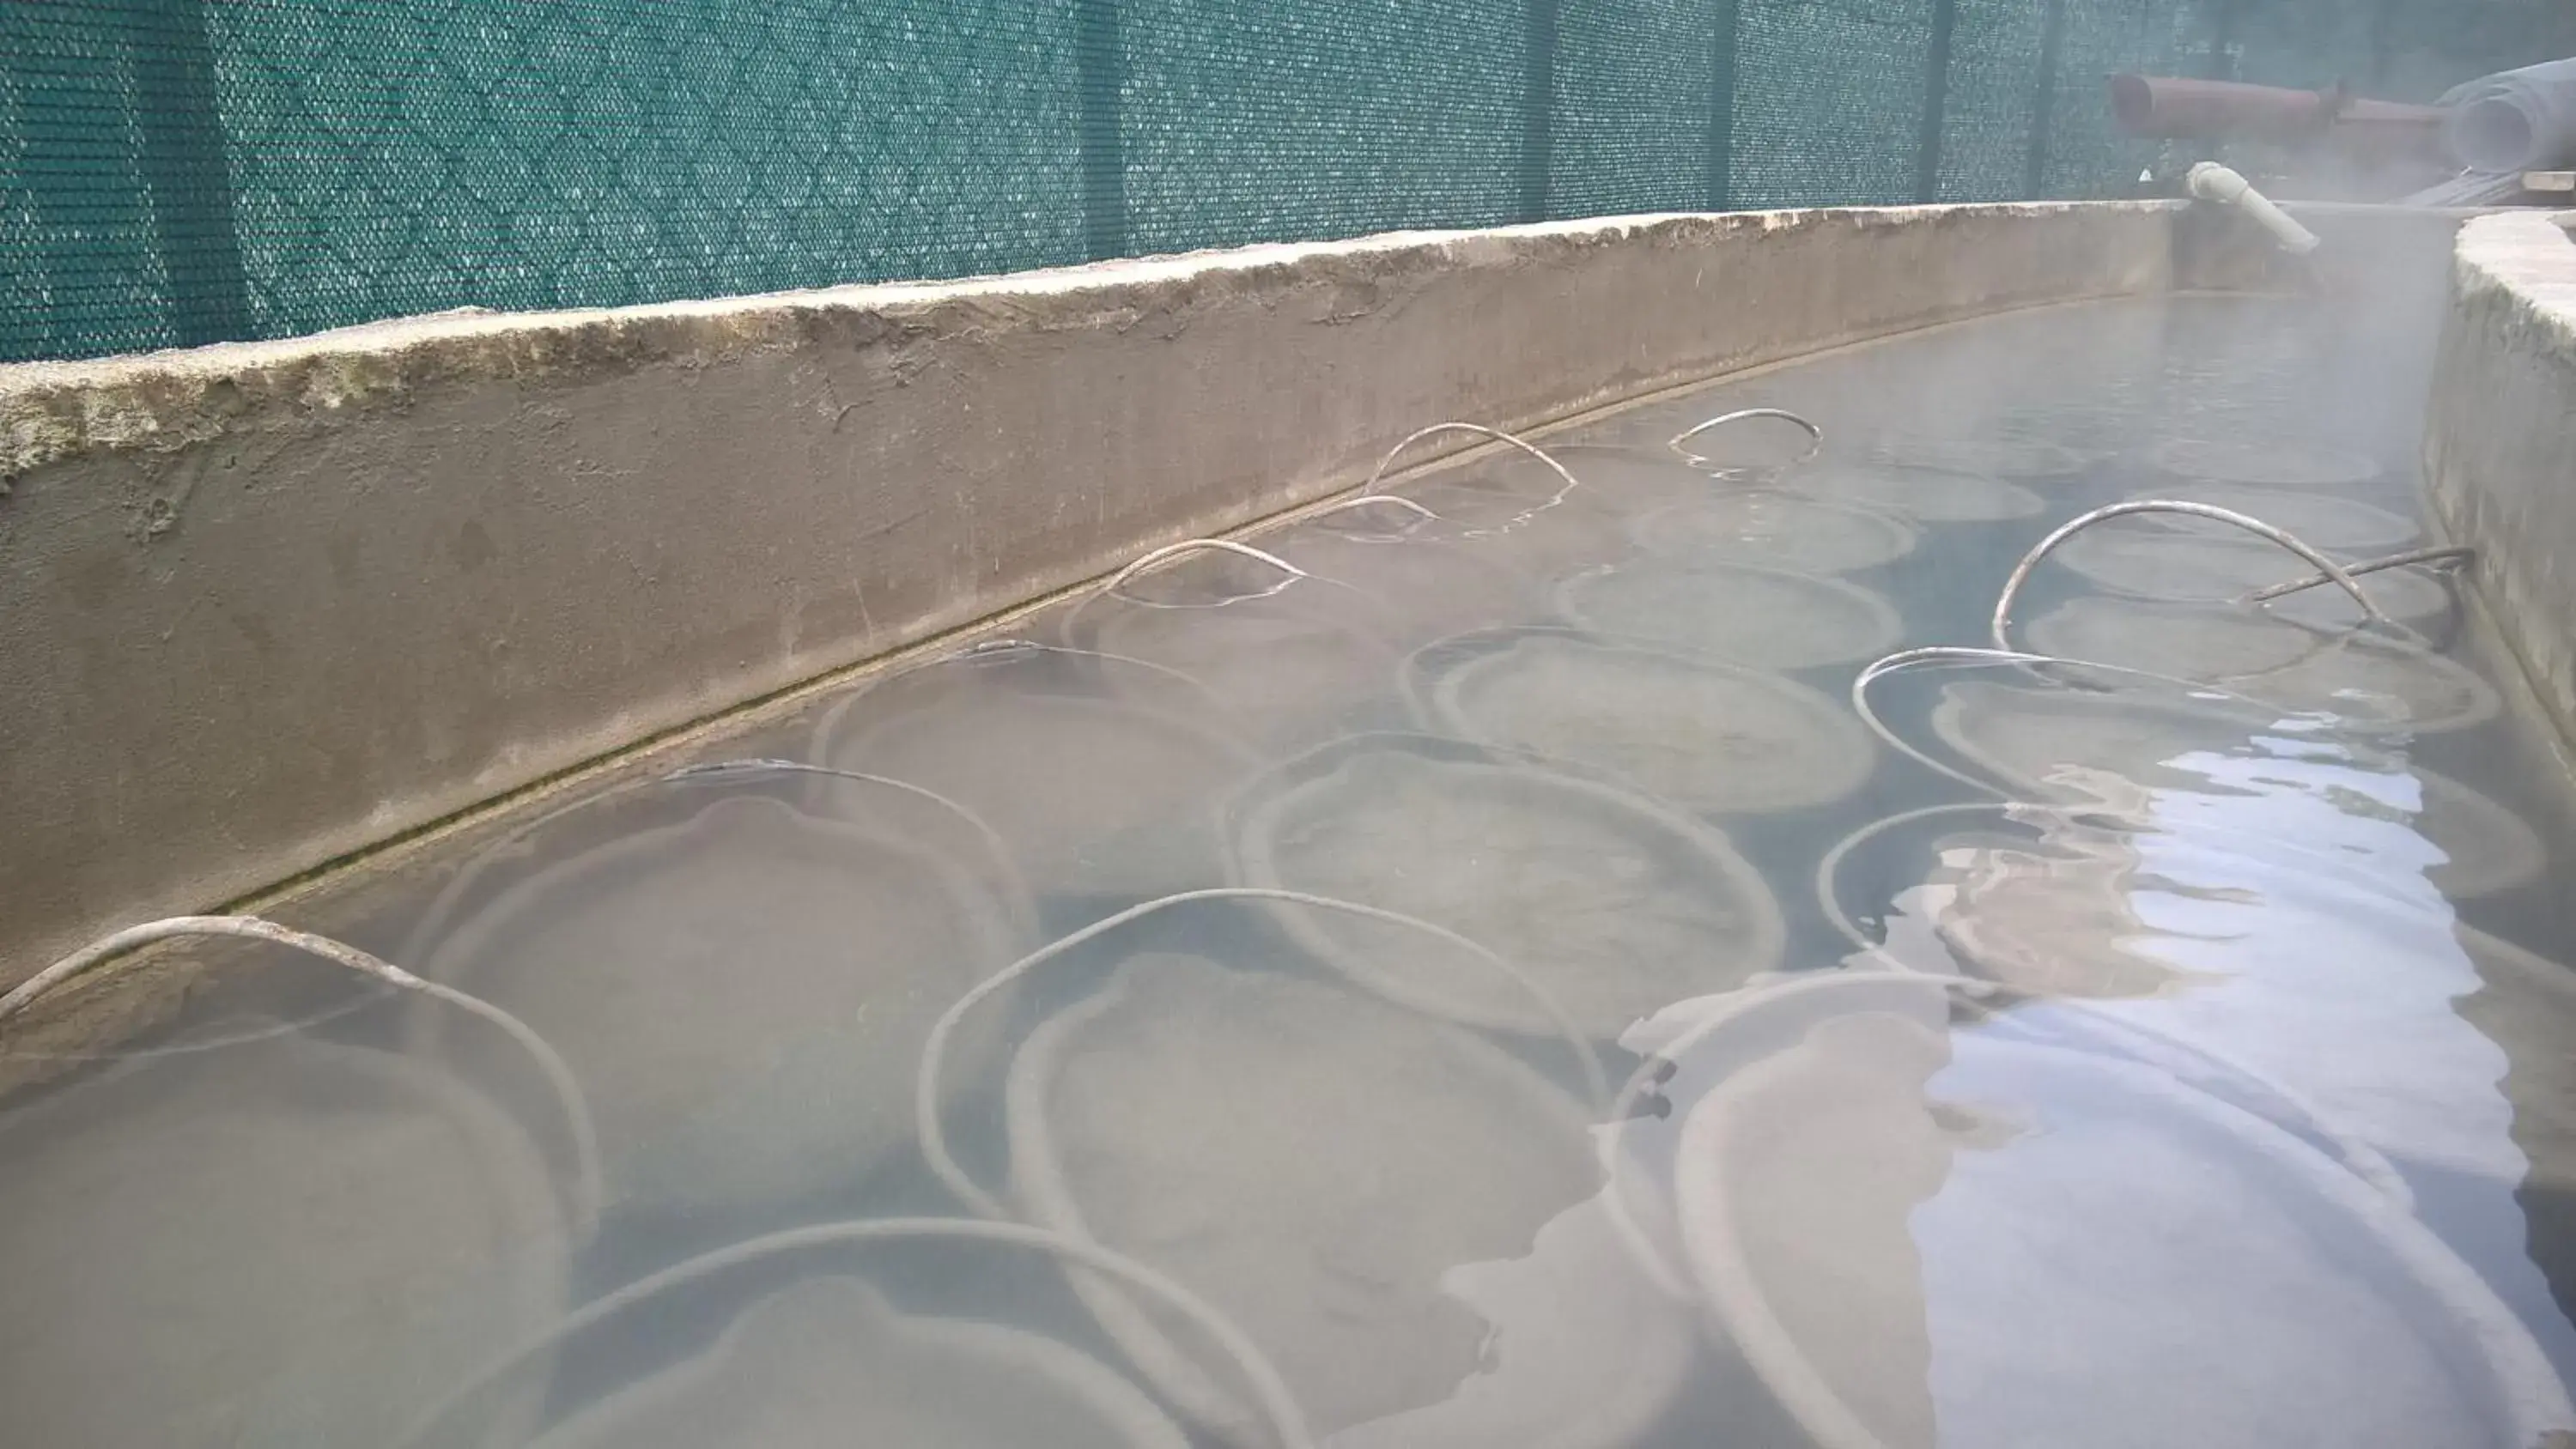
(2500, 437)
(271, 604)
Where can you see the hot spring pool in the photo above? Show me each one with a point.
(1507, 962)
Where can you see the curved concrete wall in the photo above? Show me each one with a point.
(271, 604)
(2500, 440)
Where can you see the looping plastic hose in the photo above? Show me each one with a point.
(1480, 430)
(2441, 554)
(1815, 434)
(934, 1048)
(1277, 1403)
(1288, 573)
(1498, 435)
(1932, 653)
(1972, 654)
(1829, 870)
(576, 1112)
(2020, 575)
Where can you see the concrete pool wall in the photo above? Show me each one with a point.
(270, 604)
(276, 604)
(2500, 438)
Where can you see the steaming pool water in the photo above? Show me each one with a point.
(1509, 962)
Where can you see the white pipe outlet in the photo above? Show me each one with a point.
(2210, 181)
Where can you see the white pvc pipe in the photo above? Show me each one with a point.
(2210, 181)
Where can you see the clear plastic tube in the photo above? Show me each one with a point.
(567, 1091)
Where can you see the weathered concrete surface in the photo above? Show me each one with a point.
(2500, 438)
(269, 604)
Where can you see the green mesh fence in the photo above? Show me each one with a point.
(184, 171)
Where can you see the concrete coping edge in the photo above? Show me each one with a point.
(163, 401)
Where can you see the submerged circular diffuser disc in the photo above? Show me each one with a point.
(1780, 530)
(1310, 1160)
(2368, 682)
(1631, 478)
(1705, 736)
(2051, 919)
(2001, 457)
(2066, 744)
(1615, 905)
(2060, 743)
(1286, 664)
(2162, 563)
(1415, 587)
(1804, 1260)
(1541, 532)
(1934, 495)
(1095, 771)
(2365, 680)
(2274, 465)
(2339, 526)
(738, 994)
(1999, 1240)
(2491, 849)
(2527, 1005)
(1756, 617)
(2184, 641)
(829, 1362)
(276, 1241)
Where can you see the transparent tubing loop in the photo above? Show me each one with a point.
(1288, 573)
(1905, 659)
(2021, 572)
(1569, 481)
(559, 1077)
(1815, 438)
(1420, 514)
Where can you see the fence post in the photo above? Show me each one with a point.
(2220, 64)
(1936, 102)
(183, 165)
(2043, 101)
(1538, 106)
(1100, 73)
(1721, 106)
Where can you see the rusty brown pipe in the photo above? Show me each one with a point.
(2173, 107)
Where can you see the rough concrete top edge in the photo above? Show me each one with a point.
(2530, 258)
(165, 400)
(2395, 209)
